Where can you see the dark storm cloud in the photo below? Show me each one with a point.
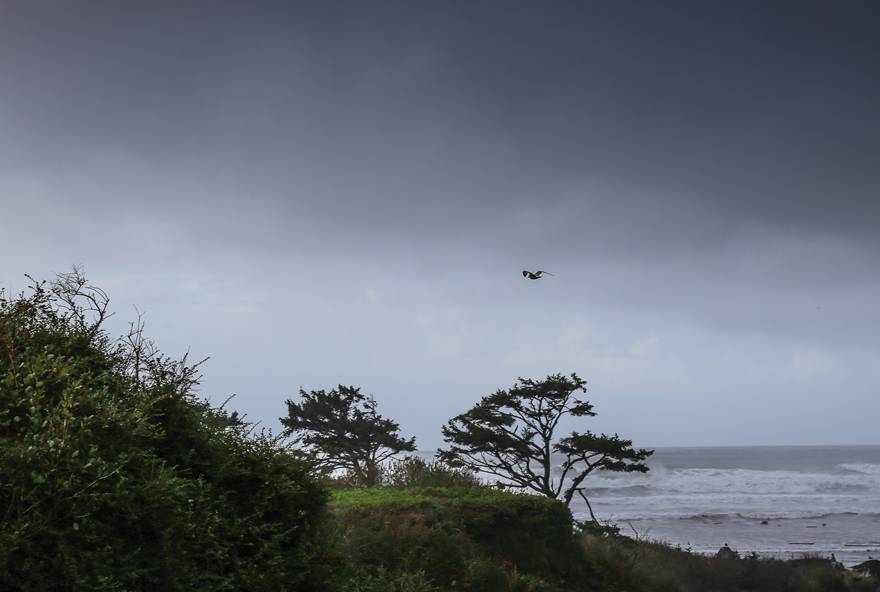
(680, 164)
(686, 120)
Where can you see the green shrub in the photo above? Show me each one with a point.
(462, 538)
(382, 581)
(485, 575)
(409, 471)
(413, 471)
(624, 564)
(114, 477)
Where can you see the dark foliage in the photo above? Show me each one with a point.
(870, 567)
(343, 430)
(627, 565)
(113, 476)
(462, 538)
(410, 471)
(480, 538)
(511, 434)
(413, 471)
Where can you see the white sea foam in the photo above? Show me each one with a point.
(865, 468)
(773, 501)
(742, 481)
(739, 492)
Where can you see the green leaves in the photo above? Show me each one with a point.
(512, 436)
(462, 538)
(108, 482)
(342, 429)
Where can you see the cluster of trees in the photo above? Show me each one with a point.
(511, 436)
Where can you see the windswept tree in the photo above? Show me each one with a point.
(512, 435)
(343, 430)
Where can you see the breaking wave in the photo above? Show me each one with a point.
(737, 481)
(715, 493)
(863, 468)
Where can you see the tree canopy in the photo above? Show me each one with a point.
(342, 429)
(512, 435)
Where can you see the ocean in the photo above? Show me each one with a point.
(776, 501)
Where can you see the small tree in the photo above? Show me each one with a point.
(342, 430)
(511, 434)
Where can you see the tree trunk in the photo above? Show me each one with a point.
(589, 507)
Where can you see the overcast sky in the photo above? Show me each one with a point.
(327, 192)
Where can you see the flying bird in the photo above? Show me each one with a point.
(535, 275)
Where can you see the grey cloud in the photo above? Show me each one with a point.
(692, 171)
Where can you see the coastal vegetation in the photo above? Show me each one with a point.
(453, 539)
(115, 476)
(341, 429)
(512, 435)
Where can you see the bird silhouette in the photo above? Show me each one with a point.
(535, 275)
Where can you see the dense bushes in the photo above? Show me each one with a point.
(410, 471)
(461, 538)
(413, 471)
(114, 477)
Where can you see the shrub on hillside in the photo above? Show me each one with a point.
(413, 471)
(113, 476)
(410, 471)
(463, 538)
(643, 566)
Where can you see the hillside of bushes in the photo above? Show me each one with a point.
(461, 538)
